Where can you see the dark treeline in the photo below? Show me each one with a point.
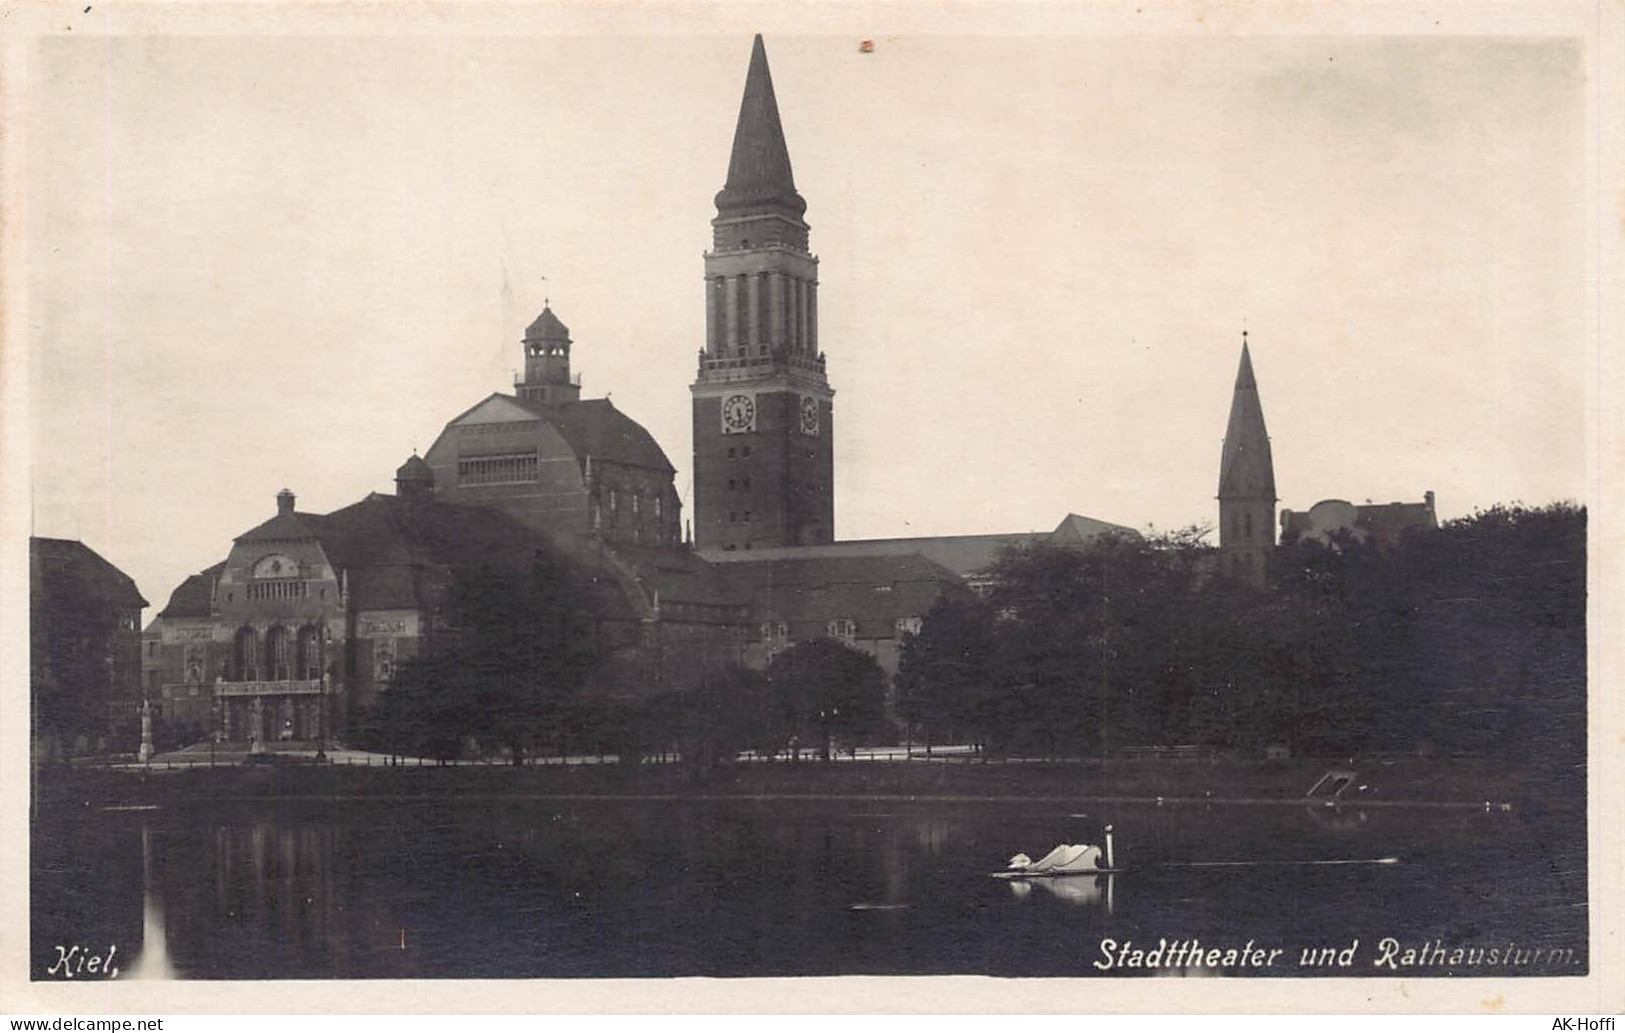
(510, 668)
(1465, 640)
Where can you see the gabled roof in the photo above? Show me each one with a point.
(72, 566)
(964, 554)
(595, 427)
(398, 554)
(194, 596)
(759, 176)
(872, 590)
(1389, 522)
(284, 527)
(1077, 530)
(494, 408)
(1246, 468)
(679, 575)
(591, 427)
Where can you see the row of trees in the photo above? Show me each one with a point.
(516, 649)
(1470, 639)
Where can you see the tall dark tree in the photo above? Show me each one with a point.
(726, 712)
(514, 650)
(947, 676)
(824, 690)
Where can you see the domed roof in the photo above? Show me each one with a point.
(414, 469)
(547, 328)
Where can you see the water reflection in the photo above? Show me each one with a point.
(1076, 890)
(153, 961)
(490, 888)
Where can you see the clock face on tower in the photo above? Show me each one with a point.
(738, 414)
(809, 416)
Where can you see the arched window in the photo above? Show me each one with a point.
(244, 655)
(277, 661)
(310, 653)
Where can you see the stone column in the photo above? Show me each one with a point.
(754, 288)
(711, 314)
(812, 318)
(734, 329)
(801, 314)
(775, 309)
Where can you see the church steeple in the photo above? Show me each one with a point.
(547, 362)
(1246, 480)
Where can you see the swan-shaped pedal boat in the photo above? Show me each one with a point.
(1065, 859)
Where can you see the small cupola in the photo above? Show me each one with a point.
(284, 502)
(414, 479)
(547, 362)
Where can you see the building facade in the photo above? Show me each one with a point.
(310, 616)
(84, 646)
(1382, 524)
(559, 464)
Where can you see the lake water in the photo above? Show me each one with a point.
(782, 887)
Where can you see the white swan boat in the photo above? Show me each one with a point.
(1065, 859)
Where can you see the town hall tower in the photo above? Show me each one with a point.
(764, 465)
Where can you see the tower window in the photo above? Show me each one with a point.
(613, 500)
(746, 484)
(747, 452)
(730, 484)
(731, 453)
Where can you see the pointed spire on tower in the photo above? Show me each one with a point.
(1246, 469)
(759, 176)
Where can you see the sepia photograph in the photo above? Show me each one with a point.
(579, 492)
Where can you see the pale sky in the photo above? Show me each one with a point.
(268, 261)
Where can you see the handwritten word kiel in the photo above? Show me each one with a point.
(80, 961)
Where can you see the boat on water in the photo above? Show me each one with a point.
(1065, 859)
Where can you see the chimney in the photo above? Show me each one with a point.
(284, 502)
